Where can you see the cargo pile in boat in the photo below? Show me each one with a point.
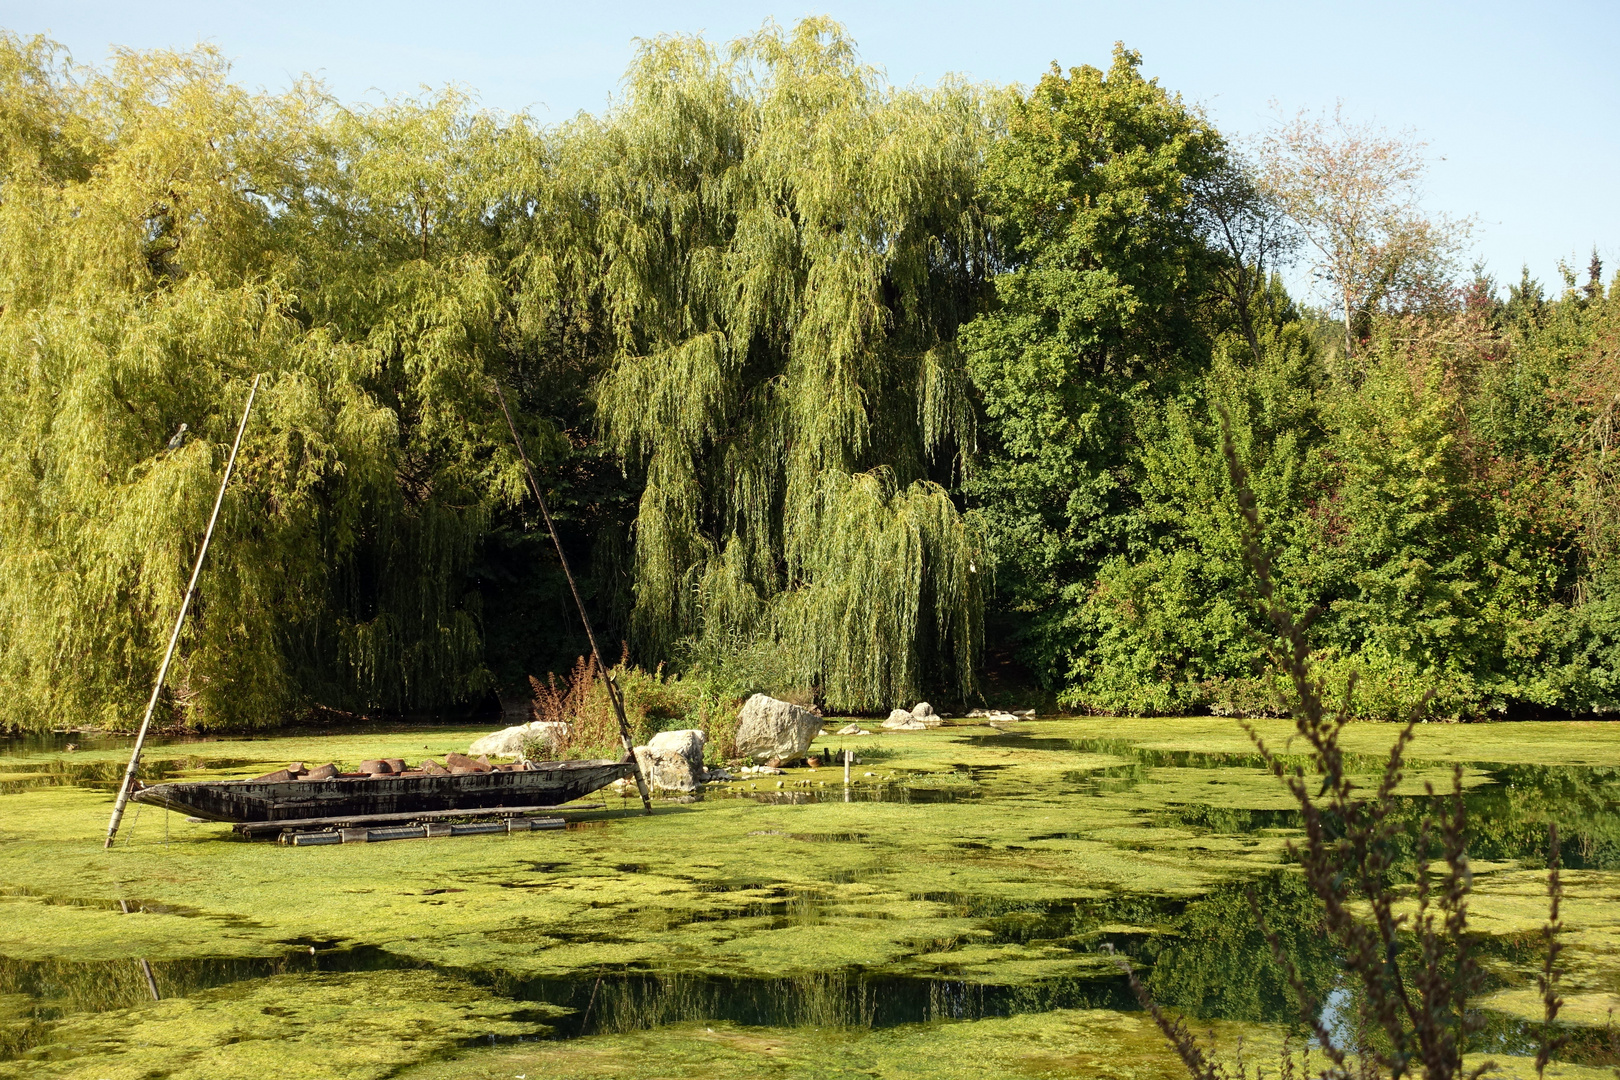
(376, 768)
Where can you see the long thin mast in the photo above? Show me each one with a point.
(584, 618)
(180, 620)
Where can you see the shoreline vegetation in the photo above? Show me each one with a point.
(849, 393)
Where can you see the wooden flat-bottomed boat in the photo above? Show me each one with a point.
(289, 798)
(390, 789)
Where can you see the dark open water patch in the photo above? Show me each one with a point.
(1507, 818)
(131, 907)
(862, 792)
(1124, 748)
(57, 742)
(612, 999)
(107, 775)
(596, 1002)
(616, 1002)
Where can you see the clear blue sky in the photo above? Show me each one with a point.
(1521, 101)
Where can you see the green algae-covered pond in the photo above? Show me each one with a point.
(959, 913)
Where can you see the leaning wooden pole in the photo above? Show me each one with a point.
(180, 620)
(590, 634)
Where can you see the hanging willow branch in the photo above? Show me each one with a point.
(789, 247)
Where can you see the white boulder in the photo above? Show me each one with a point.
(769, 729)
(688, 743)
(667, 770)
(510, 742)
(922, 709)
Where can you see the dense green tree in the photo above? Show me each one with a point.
(1437, 513)
(1097, 316)
(1169, 626)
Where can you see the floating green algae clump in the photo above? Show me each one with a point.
(349, 1025)
(975, 881)
(1091, 1043)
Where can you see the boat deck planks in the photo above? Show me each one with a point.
(251, 827)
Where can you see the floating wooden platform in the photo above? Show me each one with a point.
(416, 832)
(540, 784)
(251, 828)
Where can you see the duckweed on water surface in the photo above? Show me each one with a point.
(973, 892)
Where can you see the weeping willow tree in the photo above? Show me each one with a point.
(782, 249)
(759, 260)
(164, 236)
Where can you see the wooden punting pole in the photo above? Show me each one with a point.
(584, 618)
(180, 620)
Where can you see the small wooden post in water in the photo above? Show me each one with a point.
(174, 638)
(585, 619)
(151, 980)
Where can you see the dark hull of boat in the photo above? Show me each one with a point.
(547, 783)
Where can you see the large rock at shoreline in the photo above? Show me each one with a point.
(768, 728)
(509, 742)
(902, 720)
(687, 743)
(666, 770)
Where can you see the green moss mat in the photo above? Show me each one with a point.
(353, 1026)
(1006, 862)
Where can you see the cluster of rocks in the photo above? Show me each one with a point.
(299, 771)
(998, 716)
(922, 715)
(916, 718)
(770, 733)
